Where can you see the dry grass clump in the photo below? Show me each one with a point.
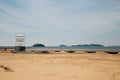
(70, 51)
(111, 52)
(90, 51)
(39, 51)
(44, 52)
(57, 51)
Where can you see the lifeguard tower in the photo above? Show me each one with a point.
(20, 43)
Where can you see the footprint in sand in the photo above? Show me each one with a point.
(116, 76)
(5, 68)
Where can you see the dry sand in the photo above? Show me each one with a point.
(64, 66)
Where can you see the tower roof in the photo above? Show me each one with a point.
(20, 35)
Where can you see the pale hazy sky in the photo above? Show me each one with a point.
(54, 22)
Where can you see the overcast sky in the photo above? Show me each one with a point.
(55, 22)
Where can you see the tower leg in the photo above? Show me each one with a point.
(20, 48)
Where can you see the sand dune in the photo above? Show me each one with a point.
(60, 66)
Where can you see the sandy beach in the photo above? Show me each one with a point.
(61, 65)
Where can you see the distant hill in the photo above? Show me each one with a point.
(80, 46)
(63, 45)
(89, 46)
(38, 45)
(116, 47)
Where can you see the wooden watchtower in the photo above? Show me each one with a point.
(20, 43)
